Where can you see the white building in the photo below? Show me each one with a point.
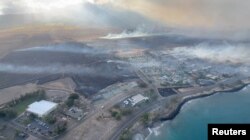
(137, 99)
(41, 108)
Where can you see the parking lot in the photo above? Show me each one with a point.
(40, 128)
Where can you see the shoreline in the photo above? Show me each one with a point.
(173, 113)
(189, 98)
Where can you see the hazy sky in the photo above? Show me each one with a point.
(195, 13)
(203, 14)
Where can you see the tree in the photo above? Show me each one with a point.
(142, 85)
(41, 94)
(113, 113)
(2, 114)
(73, 96)
(60, 127)
(50, 119)
(126, 135)
(71, 99)
(70, 102)
(32, 116)
(8, 113)
(116, 114)
(145, 119)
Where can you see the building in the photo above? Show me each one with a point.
(137, 99)
(41, 108)
(75, 113)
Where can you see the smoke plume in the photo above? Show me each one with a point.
(235, 53)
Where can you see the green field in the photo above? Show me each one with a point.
(22, 106)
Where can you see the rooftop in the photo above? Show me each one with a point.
(137, 99)
(42, 107)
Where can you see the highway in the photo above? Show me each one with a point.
(133, 118)
(97, 110)
(194, 93)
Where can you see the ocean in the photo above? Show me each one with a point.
(191, 122)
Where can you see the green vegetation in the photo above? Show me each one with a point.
(29, 119)
(118, 112)
(145, 119)
(126, 135)
(142, 85)
(32, 116)
(73, 96)
(69, 102)
(60, 127)
(8, 113)
(18, 106)
(51, 119)
(71, 99)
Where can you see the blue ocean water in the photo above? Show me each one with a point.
(191, 122)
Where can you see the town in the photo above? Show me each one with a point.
(55, 110)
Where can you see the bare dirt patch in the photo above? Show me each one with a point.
(8, 94)
(65, 84)
(35, 35)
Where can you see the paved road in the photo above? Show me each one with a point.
(77, 131)
(147, 80)
(196, 91)
(131, 120)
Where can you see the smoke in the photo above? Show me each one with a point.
(126, 34)
(90, 13)
(137, 63)
(58, 68)
(38, 6)
(234, 53)
(67, 48)
(205, 17)
(141, 31)
(219, 14)
(101, 1)
(1, 9)
(48, 69)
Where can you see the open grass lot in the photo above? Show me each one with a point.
(21, 104)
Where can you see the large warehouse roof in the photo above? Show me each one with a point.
(41, 108)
